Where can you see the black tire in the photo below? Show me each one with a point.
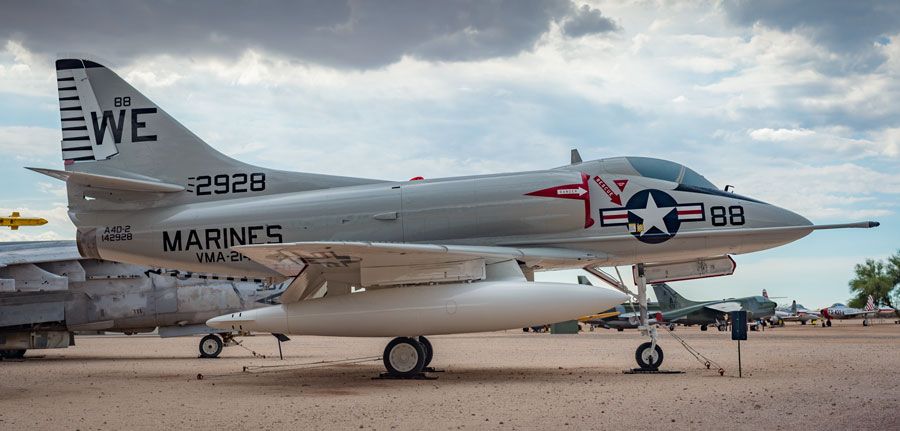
(12, 354)
(404, 357)
(620, 329)
(802, 322)
(211, 346)
(645, 358)
(829, 323)
(429, 350)
(704, 328)
(865, 322)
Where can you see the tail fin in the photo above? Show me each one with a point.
(668, 298)
(765, 294)
(794, 307)
(870, 304)
(115, 138)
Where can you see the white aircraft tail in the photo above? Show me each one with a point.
(118, 146)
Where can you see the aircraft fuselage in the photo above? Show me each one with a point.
(623, 218)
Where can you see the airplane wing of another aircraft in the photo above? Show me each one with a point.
(725, 307)
(18, 253)
(370, 264)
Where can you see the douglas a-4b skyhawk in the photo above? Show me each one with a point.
(401, 259)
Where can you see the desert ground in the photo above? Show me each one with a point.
(796, 377)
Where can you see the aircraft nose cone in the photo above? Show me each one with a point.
(220, 322)
(790, 218)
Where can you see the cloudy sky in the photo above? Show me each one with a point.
(792, 102)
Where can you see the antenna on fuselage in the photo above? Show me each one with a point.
(576, 157)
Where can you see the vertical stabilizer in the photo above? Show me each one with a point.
(113, 134)
(669, 299)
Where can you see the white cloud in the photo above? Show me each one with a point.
(24, 72)
(779, 135)
(29, 143)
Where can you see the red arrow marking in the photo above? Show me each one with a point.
(621, 184)
(616, 199)
(571, 191)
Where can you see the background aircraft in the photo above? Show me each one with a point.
(48, 292)
(15, 220)
(841, 311)
(145, 190)
(793, 313)
(676, 309)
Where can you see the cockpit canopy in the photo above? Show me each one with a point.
(669, 171)
(657, 169)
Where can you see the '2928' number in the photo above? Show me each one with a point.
(224, 183)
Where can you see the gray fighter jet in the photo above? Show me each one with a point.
(48, 292)
(408, 258)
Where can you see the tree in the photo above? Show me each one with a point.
(893, 271)
(877, 278)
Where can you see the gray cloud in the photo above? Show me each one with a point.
(587, 20)
(351, 33)
(843, 25)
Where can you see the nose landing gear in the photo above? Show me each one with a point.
(649, 356)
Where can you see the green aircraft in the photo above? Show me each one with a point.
(671, 308)
(676, 309)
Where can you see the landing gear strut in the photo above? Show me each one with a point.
(649, 356)
(406, 357)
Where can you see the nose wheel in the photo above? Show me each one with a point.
(648, 356)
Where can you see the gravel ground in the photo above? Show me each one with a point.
(797, 377)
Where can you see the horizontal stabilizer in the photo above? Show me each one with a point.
(110, 182)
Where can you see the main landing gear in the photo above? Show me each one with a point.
(212, 344)
(12, 354)
(407, 357)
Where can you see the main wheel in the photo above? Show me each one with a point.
(703, 327)
(404, 357)
(647, 358)
(210, 346)
(429, 350)
(829, 323)
(865, 322)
